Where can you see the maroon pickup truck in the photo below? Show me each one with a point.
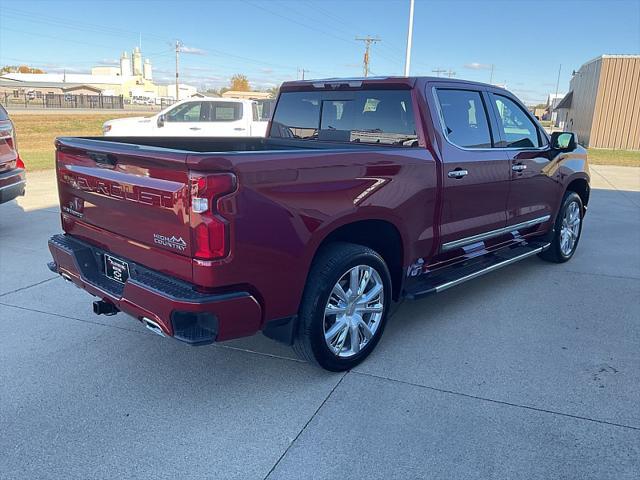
(365, 192)
(12, 171)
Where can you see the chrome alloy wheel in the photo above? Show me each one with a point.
(354, 311)
(570, 228)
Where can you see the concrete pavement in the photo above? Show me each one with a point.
(530, 372)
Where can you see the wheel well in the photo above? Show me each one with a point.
(379, 235)
(581, 187)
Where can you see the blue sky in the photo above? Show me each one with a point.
(268, 40)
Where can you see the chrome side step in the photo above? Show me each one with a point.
(447, 277)
(491, 268)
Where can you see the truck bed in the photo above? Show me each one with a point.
(223, 144)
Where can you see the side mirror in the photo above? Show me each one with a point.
(563, 140)
(161, 120)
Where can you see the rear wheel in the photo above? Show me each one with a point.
(567, 230)
(344, 307)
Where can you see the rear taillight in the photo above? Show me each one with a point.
(209, 218)
(8, 134)
(20, 163)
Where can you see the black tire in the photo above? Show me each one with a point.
(328, 268)
(554, 253)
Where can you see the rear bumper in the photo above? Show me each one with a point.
(175, 306)
(12, 184)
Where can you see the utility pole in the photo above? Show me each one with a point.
(491, 74)
(451, 73)
(438, 71)
(557, 83)
(407, 58)
(178, 45)
(367, 41)
(302, 71)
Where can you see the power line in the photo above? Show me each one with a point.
(58, 21)
(293, 20)
(62, 39)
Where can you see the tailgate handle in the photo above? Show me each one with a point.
(103, 159)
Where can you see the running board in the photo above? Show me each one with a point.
(444, 278)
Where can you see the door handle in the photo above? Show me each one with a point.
(195, 128)
(519, 167)
(457, 173)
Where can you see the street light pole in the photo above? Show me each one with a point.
(407, 60)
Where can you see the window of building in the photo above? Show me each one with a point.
(465, 118)
(518, 130)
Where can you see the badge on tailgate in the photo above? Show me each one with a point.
(176, 243)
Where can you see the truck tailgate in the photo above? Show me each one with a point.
(139, 194)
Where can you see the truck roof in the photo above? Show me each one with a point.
(355, 82)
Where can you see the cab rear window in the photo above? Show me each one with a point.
(3, 114)
(367, 116)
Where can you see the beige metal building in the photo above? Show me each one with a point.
(603, 103)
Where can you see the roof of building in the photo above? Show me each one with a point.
(83, 78)
(619, 55)
(245, 94)
(566, 101)
(7, 82)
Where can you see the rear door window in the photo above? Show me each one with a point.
(518, 130)
(464, 118)
(3, 114)
(368, 116)
(224, 111)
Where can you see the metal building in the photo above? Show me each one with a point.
(603, 103)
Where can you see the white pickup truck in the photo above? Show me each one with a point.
(197, 117)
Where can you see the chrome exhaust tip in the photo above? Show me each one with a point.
(153, 326)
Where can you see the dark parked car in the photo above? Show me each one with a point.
(12, 172)
(365, 192)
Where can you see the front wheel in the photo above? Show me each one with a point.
(567, 230)
(344, 307)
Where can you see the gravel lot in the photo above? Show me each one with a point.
(530, 372)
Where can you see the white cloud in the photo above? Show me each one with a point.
(477, 66)
(109, 61)
(193, 50)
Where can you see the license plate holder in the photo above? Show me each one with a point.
(116, 269)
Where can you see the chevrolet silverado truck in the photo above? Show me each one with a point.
(364, 192)
(12, 172)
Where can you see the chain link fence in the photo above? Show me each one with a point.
(38, 100)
